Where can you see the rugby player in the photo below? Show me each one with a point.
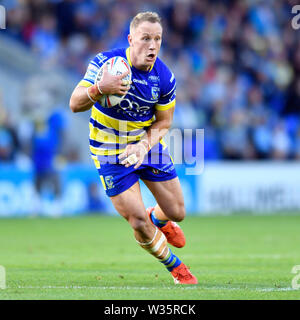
(135, 128)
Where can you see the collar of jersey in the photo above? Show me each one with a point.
(129, 61)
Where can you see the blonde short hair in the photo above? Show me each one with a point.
(144, 16)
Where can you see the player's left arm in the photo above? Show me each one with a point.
(153, 135)
(164, 110)
(159, 128)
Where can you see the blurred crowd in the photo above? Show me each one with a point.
(237, 63)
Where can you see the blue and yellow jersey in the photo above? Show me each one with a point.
(111, 129)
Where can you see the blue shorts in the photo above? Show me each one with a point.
(116, 178)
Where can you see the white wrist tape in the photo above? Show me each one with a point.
(98, 86)
(87, 92)
(148, 145)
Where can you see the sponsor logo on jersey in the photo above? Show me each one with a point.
(132, 108)
(153, 79)
(140, 81)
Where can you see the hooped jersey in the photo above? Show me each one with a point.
(111, 129)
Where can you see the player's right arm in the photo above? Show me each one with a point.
(80, 101)
(85, 96)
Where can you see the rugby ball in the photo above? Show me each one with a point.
(115, 66)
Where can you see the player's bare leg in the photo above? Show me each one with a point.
(163, 214)
(129, 204)
(166, 193)
(159, 213)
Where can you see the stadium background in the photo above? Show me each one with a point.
(237, 65)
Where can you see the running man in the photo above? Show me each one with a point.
(135, 128)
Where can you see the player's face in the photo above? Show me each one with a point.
(145, 42)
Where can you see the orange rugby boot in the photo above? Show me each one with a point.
(172, 231)
(182, 275)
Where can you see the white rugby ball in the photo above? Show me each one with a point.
(115, 66)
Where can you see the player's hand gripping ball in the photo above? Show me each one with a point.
(115, 66)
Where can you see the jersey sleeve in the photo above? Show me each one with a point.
(167, 98)
(92, 70)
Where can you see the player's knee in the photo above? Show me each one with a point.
(138, 223)
(179, 218)
(179, 213)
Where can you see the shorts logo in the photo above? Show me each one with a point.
(155, 92)
(155, 171)
(109, 182)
